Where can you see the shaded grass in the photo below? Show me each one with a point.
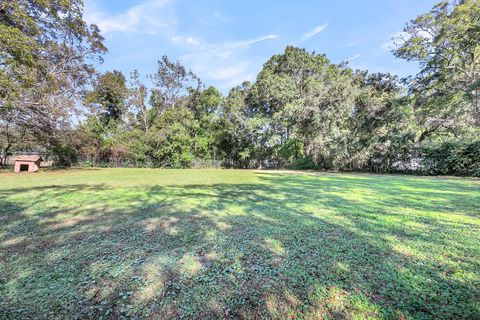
(237, 244)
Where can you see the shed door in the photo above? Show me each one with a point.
(23, 167)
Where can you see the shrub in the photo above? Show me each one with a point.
(303, 163)
(452, 158)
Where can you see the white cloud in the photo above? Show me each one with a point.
(192, 41)
(310, 34)
(398, 38)
(229, 72)
(221, 17)
(221, 50)
(224, 62)
(391, 44)
(257, 40)
(147, 17)
(354, 57)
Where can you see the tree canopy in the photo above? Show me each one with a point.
(48, 55)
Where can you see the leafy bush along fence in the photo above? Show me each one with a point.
(457, 158)
(451, 158)
(127, 163)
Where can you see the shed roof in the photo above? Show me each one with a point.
(30, 158)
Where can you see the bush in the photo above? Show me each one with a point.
(303, 163)
(452, 158)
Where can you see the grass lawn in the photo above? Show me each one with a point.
(209, 244)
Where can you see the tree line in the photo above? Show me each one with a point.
(302, 112)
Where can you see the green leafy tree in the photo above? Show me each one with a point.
(446, 43)
(205, 106)
(108, 98)
(10, 134)
(381, 123)
(305, 101)
(47, 55)
(169, 139)
(138, 100)
(91, 136)
(231, 137)
(172, 82)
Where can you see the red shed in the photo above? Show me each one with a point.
(27, 163)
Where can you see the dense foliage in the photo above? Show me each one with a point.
(302, 112)
(453, 158)
(47, 57)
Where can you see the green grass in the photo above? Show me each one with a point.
(213, 244)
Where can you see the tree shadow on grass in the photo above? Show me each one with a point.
(288, 246)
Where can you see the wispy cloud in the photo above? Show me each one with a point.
(310, 34)
(225, 62)
(398, 38)
(145, 18)
(191, 41)
(219, 49)
(257, 40)
(395, 39)
(221, 17)
(354, 57)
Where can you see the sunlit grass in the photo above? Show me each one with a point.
(225, 243)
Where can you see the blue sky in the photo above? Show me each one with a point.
(227, 42)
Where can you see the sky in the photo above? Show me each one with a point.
(226, 42)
